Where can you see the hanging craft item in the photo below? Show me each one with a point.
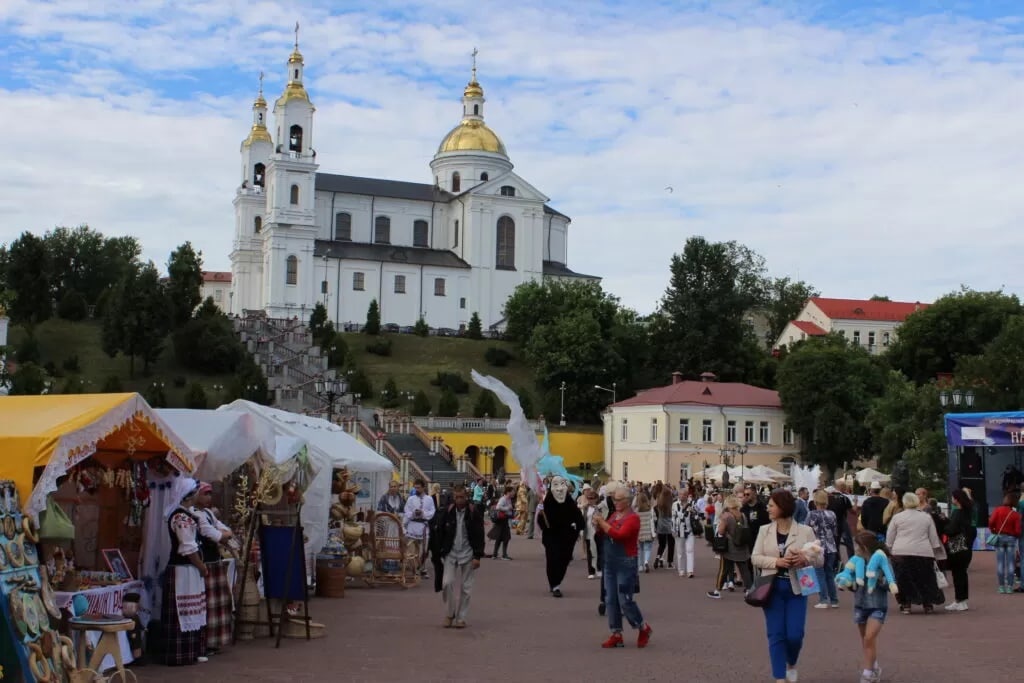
(10, 528)
(46, 594)
(30, 532)
(38, 664)
(30, 552)
(31, 613)
(15, 553)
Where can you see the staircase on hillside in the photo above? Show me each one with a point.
(434, 467)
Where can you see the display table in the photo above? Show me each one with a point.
(108, 647)
(105, 600)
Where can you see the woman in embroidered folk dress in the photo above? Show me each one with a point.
(183, 613)
(213, 532)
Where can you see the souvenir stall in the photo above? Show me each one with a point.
(95, 451)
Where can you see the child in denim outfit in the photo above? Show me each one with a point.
(870, 607)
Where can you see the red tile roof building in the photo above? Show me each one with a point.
(870, 324)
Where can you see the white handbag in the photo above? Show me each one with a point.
(940, 578)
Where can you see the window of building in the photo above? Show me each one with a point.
(462, 302)
(885, 339)
(399, 284)
(707, 434)
(871, 341)
(438, 286)
(257, 224)
(343, 227)
(484, 176)
(788, 436)
(295, 138)
(382, 230)
(476, 110)
(625, 470)
(730, 431)
(654, 429)
(291, 271)
(764, 434)
(420, 233)
(787, 466)
(748, 431)
(684, 430)
(856, 337)
(624, 430)
(684, 473)
(218, 295)
(456, 234)
(359, 281)
(259, 173)
(508, 191)
(294, 195)
(456, 182)
(505, 248)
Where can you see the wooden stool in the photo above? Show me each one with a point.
(108, 644)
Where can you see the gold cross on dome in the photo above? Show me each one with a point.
(296, 35)
(474, 54)
(261, 82)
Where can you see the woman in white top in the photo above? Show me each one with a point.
(915, 546)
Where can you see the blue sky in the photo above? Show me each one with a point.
(869, 147)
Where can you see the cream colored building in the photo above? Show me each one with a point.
(217, 286)
(668, 433)
(869, 324)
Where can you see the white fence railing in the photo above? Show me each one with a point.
(470, 424)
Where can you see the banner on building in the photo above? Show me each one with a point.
(985, 429)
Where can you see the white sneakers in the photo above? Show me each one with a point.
(792, 676)
(957, 606)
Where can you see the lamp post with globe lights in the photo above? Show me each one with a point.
(330, 390)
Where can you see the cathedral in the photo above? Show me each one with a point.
(441, 250)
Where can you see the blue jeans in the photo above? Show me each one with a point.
(1006, 551)
(827, 579)
(784, 618)
(644, 556)
(619, 583)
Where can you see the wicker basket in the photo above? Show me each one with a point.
(330, 578)
(296, 628)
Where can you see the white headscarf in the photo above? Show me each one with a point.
(181, 488)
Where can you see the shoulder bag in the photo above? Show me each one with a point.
(760, 594)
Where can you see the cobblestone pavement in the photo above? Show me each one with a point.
(518, 632)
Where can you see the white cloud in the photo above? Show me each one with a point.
(878, 158)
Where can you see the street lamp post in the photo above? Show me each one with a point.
(330, 390)
(561, 422)
(610, 391)
(956, 397)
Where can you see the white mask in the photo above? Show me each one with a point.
(559, 489)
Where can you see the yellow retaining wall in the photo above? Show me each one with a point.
(575, 447)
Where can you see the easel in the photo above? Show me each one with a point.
(256, 525)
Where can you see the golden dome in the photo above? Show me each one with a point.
(292, 91)
(295, 57)
(258, 134)
(473, 89)
(472, 135)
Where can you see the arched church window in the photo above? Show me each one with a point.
(484, 176)
(508, 191)
(382, 230)
(257, 224)
(456, 233)
(505, 256)
(295, 194)
(476, 110)
(343, 227)
(295, 138)
(420, 236)
(296, 74)
(259, 172)
(456, 182)
(291, 272)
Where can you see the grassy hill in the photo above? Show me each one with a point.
(414, 361)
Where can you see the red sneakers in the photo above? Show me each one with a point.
(614, 640)
(645, 635)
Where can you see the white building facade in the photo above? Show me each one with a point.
(869, 324)
(442, 250)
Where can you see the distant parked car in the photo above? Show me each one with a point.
(390, 327)
(447, 332)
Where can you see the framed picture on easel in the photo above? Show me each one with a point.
(115, 561)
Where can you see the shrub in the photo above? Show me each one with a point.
(497, 357)
(28, 350)
(336, 350)
(372, 319)
(485, 405)
(359, 383)
(207, 343)
(381, 347)
(73, 306)
(448, 406)
(155, 395)
(28, 380)
(180, 381)
(451, 381)
(74, 385)
(389, 397)
(52, 370)
(475, 330)
(421, 328)
(195, 397)
(112, 385)
(526, 402)
(71, 364)
(420, 404)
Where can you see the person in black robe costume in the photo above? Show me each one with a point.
(560, 522)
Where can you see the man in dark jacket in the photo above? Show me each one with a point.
(755, 511)
(459, 546)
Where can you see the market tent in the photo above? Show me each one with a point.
(56, 432)
(222, 440)
(330, 447)
(773, 474)
(868, 475)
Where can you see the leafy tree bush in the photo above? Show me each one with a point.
(448, 406)
(421, 329)
(497, 357)
(71, 363)
(485, 405)
(74, 385)
(359, 383)
(335, 348)
(452, 381)
(390, 397)
(372, 319)
(207, 343)
(381, 347)
(28, 350)
(318, 321)
(526, 402)
(155, 395)
(475, 329)
(73, 306)
(195, 397)
(27, 380)
(421, 403)
(112, 385)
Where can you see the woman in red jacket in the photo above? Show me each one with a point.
(1005, 524)
(621, 532)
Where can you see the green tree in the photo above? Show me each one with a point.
(317, 320)
(785, 300)
(448, 406)
(485, 405)
(421, 329)
(29, 271)
(249, 383)
(389, 396)
(195, 397)
(112, 385)
(359, 383)
(27, 351)
(184, 283)
(336, 349)
(997, 374)
(475, 329)
(827, 388)
(879, 297)
(372, 319)
(73, 306)
(421, 403)
(81, 262)
(701, 325)
(137, 318)
(28, 379)
(73, 385)
(932, 340)
(155, 395)
(207, 342)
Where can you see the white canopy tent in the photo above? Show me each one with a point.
(868, 475)
(223, 440)
(330, 447)
(773, 474)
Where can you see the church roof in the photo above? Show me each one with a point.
(556, 269)
(378, 187)
(388, 253)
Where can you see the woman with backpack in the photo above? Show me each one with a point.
(732, 543)
(664, 527)
(686, 527)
